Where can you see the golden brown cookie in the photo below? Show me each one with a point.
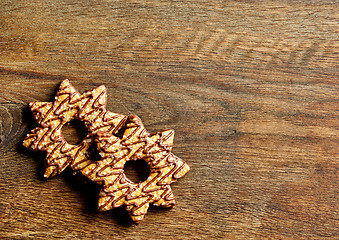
(136, 143)
(69, 104)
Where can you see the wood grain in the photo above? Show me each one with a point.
(250, 87)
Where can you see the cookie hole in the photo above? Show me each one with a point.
(74, 131)
(137, 171)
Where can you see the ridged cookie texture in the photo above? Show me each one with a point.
(69, 104)
(102, 127)
(136, 143)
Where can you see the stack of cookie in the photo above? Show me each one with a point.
(102, 126)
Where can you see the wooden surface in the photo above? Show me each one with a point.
(250, 87)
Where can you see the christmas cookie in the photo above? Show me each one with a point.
(136, 143)
(69, 104)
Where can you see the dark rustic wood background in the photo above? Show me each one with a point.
(250, 87)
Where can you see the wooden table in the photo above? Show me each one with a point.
(250, 87)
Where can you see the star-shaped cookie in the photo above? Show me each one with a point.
(69, 104)
(136, 143)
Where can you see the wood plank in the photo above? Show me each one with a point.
(250, 87)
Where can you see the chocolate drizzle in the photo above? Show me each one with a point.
(135, 144)
(51, 117)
